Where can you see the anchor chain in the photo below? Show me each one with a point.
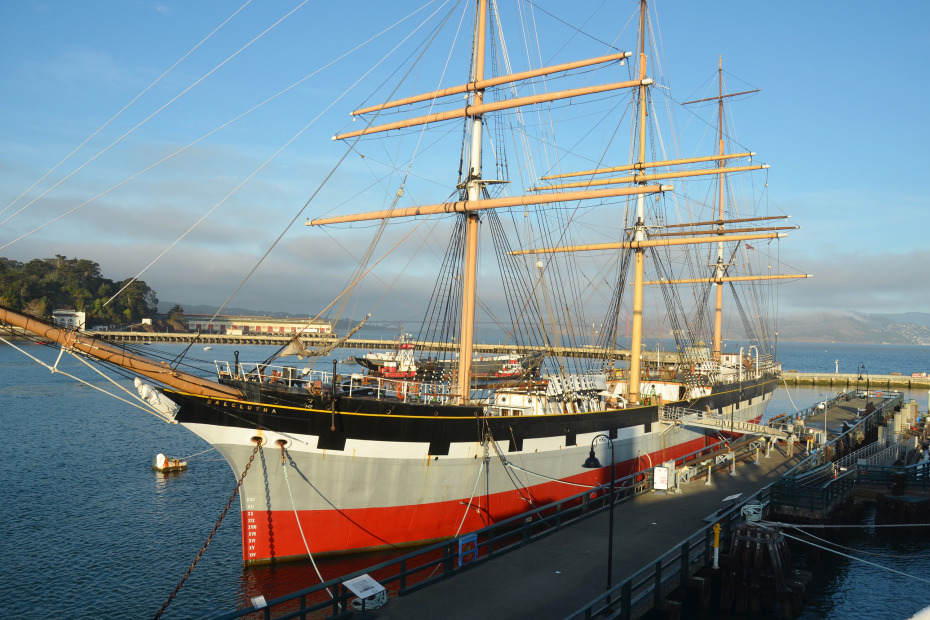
(235, 492)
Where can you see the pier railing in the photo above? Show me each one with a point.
(911, 476)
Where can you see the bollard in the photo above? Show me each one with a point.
(757, 456)
(710, 466)
(732, 464)
(716, 545)
(768, 447)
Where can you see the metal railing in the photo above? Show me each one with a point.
(916, 475)
(867, 452)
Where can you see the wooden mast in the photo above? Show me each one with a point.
(639, 228)
(472, 202)
(473, 192)
(719, 269)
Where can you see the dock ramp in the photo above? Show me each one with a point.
(691, 417)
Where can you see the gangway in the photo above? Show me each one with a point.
(691, 417)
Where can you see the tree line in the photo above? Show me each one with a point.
(45, 284)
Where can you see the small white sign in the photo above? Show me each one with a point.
(660, 478)
(258, 602)
(363, 586)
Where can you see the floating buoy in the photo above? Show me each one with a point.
(164, 464)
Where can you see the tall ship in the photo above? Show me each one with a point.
(613, 252)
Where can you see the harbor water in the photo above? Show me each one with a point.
(93, 531)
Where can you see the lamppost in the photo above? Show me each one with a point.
(593, 463)
(861, 369)
(858, 379)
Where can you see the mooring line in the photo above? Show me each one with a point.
(287, 483)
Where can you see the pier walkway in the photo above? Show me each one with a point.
(556, 576)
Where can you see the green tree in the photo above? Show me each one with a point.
(176, 318)
(42, 285)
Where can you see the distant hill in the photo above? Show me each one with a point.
(847, 327)
(916, 318)
(854, 327)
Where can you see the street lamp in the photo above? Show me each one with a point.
(593, 463)
(861, 369)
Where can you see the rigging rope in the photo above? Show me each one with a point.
(235, 492)
(110, 120)
(55, 369)
(287, 483)
(468, 504)
(852, 557)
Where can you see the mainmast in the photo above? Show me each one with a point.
(472, 202)
(639, 228)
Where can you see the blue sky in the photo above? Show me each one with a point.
(841, 119)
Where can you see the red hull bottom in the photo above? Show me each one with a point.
(269, 535)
